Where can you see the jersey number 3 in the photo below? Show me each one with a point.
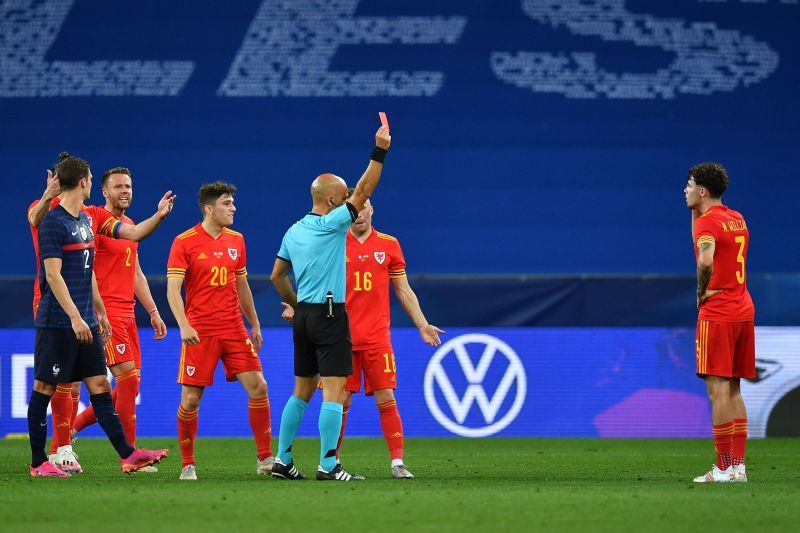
(740, 240)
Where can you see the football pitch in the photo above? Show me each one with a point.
(489, 484)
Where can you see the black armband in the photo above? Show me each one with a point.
(353, 211)
(378, 154)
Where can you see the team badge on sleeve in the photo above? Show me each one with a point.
(233, 252)
(380, 257)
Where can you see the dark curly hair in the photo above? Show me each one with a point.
(711, 176)
(209, 192)
(71, 170)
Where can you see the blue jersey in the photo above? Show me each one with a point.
(70, 239)
(315, 246)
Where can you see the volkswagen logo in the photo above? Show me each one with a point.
(459, 406)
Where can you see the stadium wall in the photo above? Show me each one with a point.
(548, 382)
(544, 137)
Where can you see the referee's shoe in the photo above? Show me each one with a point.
(283, 471)
(337, 474)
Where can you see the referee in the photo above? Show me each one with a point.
(314, 248)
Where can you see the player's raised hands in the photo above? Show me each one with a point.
(430, 334)
(82, 331)
(53, 188)
(189, 335)
(166, 203)
(288, 312)
(382, 138)
(159, 327)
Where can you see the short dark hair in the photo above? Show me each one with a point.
(115, 170)
(711, 176)
(209, 192)
(71, 170)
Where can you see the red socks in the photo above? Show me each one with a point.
(76, 400)
(739, 444)
(125, 403)
(61, 404)
(187, 433)
(258, 411)
(345, 410)
(723, 442)
(392, 428)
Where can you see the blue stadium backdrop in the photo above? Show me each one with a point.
(545, 139)
(587, 382)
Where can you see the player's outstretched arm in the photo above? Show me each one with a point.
(188, 333)
(52, 268)
(369, 180)
(248, 307)
(280, 278)
(142, 290)
(408, 299)
(100, 309)
(143, 229)
(38, 211)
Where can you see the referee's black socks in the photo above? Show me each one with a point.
(109, 421)
(37, 426)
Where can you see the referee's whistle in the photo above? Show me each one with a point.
(329, 301)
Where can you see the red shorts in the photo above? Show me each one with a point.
(378, 368)
(124, 342)
(726, 349)
(199, 361)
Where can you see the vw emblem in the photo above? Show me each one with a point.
(436, 376)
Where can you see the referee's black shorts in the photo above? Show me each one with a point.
(322, 345)
(58, 356)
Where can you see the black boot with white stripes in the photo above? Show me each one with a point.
(283, 471)
(337, 474)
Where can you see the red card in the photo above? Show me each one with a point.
(384, 120)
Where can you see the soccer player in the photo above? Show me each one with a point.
(119, 277)
(68, 337)
(212, 259)
(314, 247)
(374, 260)
(64, 402)
(725, 334)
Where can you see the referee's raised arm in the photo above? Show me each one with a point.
(369, 180)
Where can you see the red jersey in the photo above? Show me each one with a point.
(103, 223)
(370, 266)
(727, 230)
(114, 264)
(210, 267)
(37, 292)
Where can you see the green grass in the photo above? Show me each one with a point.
(491, 484)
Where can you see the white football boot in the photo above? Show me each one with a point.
(739, 474)
(265, 466)
(715, 475)
(67, 460)
(189, 473)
